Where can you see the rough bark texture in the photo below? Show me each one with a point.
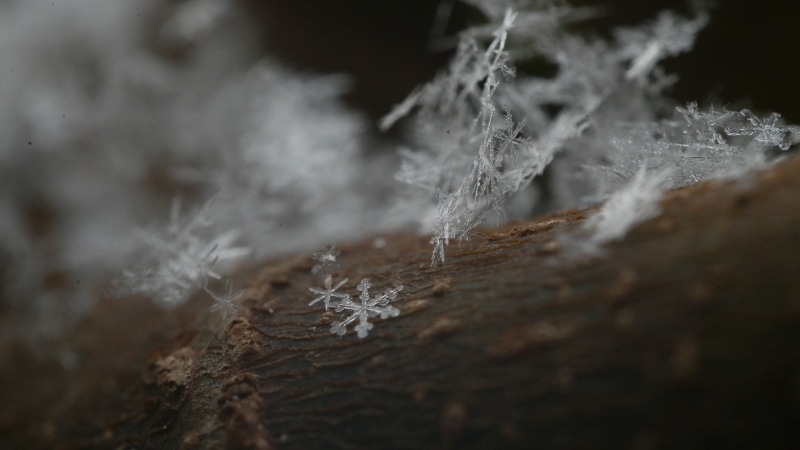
(684, 335)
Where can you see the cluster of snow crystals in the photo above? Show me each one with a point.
(368, 306)
(180, 260)
(325, 259)
(592, 126)
(108, 110)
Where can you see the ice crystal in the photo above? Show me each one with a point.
(705, 123)
(325, 258)
(225, 302)
(367, 308)
(645, 46)
(179, 260)
(329, 291)
(767, 132)
(591, 126)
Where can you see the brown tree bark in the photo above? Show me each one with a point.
(686, 334)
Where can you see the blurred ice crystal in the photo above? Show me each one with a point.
(325, 258)
(180, 260)
(669, 35)
(629, 206)
(195, 17)
(109, 109)
(225, 302)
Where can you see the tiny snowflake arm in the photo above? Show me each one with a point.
(326, 294)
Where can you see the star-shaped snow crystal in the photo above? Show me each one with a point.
(326, 294)
(368, 307)
(767, 132)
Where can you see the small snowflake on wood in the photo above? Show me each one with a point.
(325, 258)
(368, 307)
(225, 303)
(326, 294)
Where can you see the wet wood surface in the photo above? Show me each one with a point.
(686, 334)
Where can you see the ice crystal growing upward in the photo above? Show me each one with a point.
(591, 126)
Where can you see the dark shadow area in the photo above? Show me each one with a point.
(744, 56)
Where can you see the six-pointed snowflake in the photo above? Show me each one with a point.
(326, 294)
(368, 307)
(767, 132)
(225, 303)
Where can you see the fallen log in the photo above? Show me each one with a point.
(686, 334)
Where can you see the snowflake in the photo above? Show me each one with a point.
(325, 258)
(225, 303)
(326, 294)
(767, 132)
(369, 307)
(179, 260)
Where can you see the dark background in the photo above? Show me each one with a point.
(746, 56)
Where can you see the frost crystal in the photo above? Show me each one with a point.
(369, 307)
(592, 125)
(325, 258)
(645, 46)
(180, 260)
(767, 132)
(225, 303)
(326, 294)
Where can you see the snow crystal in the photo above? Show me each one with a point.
(767, 132)
(329, 291)
(225, 302)
(179, 260)
(325, 258)
(591, 126)
(368, 307)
